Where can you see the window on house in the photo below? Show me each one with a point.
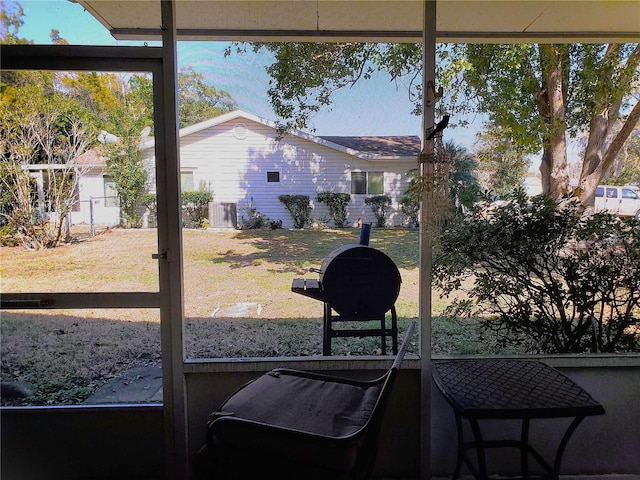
(367, 182)
(375, 183)
(186, 181)
(273, 177)
(110, 192)
(358, 182)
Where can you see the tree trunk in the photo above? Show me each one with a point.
(545, 171)
(553, 169)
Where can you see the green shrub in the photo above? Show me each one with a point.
(256, 220)
(7, 233)
(196, 206)
(542, 271)
(149, 200)
(299, 207)
(337, 203)
(379, 204)
(411, 209)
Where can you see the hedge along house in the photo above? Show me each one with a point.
(240, 158)
(158, 440)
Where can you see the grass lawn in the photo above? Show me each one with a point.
(238, 303)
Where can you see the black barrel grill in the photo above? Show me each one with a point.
(357, 283)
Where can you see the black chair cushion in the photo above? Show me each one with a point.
(305, 404)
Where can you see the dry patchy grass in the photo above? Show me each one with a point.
(67, 354)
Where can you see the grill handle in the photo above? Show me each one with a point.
(315, 270)
(365, 233)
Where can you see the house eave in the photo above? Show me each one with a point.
(381, 158)
(400, 36)
(241, 114)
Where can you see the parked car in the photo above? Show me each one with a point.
(618, 200)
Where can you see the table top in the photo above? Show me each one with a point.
(511, 388)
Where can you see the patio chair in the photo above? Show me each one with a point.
(290, 424)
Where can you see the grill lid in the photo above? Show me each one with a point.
(359, 281)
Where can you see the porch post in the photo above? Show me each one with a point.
(428, 119)
(170, 252)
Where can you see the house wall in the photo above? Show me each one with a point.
(92, 185)
(126, 442)
(233, 158)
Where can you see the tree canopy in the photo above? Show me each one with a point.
(120, 104)
(537, 94)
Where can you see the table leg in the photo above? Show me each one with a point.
(563, 445)
(460, 432)
(482, 461)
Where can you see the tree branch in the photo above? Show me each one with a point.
(620, 138)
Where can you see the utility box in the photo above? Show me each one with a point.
(223, 215)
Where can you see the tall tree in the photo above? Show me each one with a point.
(464, 185)
(41, 135)
(305, 75)
(540, 93)
(503, 166)
(120, 104)
(11, 14)
(199, 100)
(537, 93)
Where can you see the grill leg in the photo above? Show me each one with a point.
(383, 337)
(329, 333)
(394, 330)
(326, 340)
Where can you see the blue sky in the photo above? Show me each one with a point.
(374, 107)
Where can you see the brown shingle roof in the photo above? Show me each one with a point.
(386, 146)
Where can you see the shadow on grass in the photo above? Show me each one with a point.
(297, 249)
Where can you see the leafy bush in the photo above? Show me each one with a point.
(149, 200)
(299, 207)
(125, 164)
(379, 204)
(337, 203)
(196, 206)
(410, 202)
(7, 233)
(256, 220)
(565, 282)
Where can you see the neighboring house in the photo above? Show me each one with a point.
(239, 158)
(96, 197)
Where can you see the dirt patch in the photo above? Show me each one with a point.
(137, 385)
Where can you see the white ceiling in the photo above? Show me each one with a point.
(375, 20)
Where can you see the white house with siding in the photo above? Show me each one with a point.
(240, 159)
